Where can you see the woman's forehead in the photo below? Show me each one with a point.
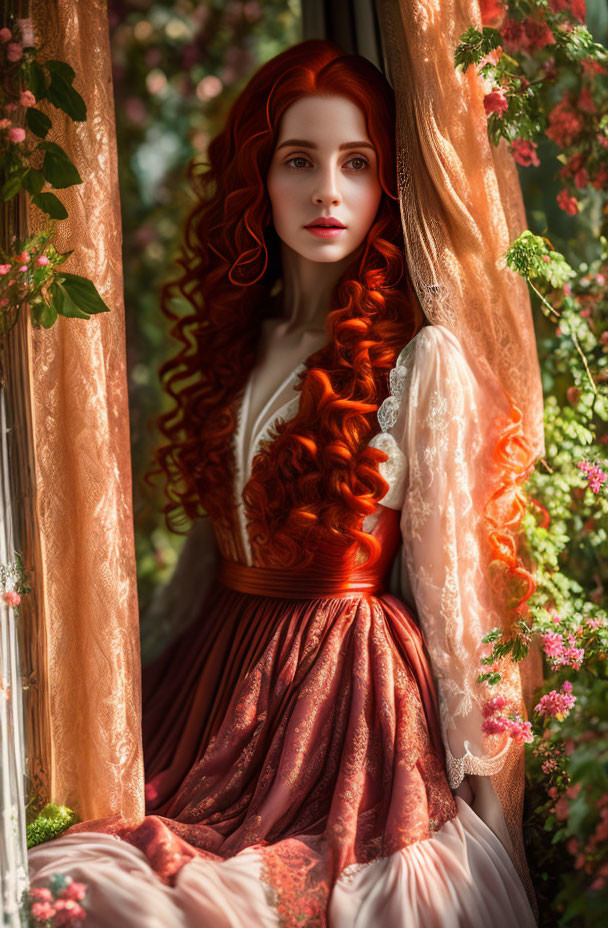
(323, 121)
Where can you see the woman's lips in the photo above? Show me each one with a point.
(325, 231)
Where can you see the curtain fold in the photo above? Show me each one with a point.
(84, 636)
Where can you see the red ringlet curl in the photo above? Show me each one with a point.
(320, 474)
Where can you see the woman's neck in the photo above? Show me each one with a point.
(307, 289)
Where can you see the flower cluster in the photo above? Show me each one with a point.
(58, 905)
(595, 474)
(563, 653)
(496, 722)
(557, 705)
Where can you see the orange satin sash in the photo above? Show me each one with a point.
(312, 582)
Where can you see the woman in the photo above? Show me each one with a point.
(297, 772)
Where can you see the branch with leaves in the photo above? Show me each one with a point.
(32, 164)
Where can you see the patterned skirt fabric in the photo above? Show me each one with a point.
(295, 776)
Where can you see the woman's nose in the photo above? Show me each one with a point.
(326, 191)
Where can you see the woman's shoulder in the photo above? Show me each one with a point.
(432, 359)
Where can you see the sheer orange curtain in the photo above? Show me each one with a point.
(86, 749)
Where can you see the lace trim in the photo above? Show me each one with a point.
(392, 470)
(388, 411)
(459, 767)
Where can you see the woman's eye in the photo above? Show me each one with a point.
(358, 163)
(298, 158)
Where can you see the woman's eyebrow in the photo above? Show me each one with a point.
(302, 143)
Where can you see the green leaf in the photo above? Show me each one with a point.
(65, 98)
(44, 315)
(37, 122)
(51, 205)
(36, 80)
(57, 167)
(64, 304)
(63, 69)
(11, 187)
(33, 181)
(84, 293)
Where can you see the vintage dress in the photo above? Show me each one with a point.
(295, 761)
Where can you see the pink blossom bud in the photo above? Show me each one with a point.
(16, 134)
(5, 123)
(41, 894)
(11, 598)
(27, 98)
(4, 269)
(495, 101)
(14, 52)
(5, 35)
(23, 269)
(600, 279)
(42, 261)
(75, 891)
(3, 302)
(24, 256)
(546, 259)
(567, 289)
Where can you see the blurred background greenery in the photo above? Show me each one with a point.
(177, 66)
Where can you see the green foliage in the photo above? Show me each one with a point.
(28, 272)
(50, 823)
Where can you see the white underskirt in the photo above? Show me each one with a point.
(462, 877)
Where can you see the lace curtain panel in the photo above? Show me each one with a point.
(85, 710)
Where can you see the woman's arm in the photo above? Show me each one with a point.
(436, 421)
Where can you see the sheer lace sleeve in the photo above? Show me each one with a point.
(435, 417)
(176, 603)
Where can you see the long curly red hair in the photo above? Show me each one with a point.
(320, 474)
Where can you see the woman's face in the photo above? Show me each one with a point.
(324, 170)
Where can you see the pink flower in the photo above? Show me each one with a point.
(494, 705)
(41, 895)
(596, 477)
(22, 269)
(524, 152)
(14, 52)
(68, 913)
(585, 102)
(557, 705)
(495, 725)
(75, 891)
(600, 279)
(42, 911)
(553, 644)
(27, 98)
(11, 598)
(24, 256)
(562, 809)
(4, 269)
(492, 13)
(564, 123)
(5, 35)
(42, 261)
(5, 123)
(16, 134)
(567, 203)
(581, 178)
(495, 101)
(521, 731)
(552, 791)
(10, 107)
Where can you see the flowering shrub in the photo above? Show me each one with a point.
(29, 162)
(546, 83)
(58, 905)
